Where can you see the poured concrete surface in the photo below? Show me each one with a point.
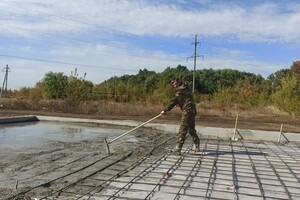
(223, 169)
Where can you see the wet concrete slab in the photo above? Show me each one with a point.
(223, 169)
(257, 173)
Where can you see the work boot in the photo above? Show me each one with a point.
(195, 147)
(177, 149)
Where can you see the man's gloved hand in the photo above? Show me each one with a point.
(163, 112)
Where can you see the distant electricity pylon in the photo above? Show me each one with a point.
(195, 60)
(4, 86)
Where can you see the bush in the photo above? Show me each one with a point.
(288, 97)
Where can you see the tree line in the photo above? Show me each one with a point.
(222, 87)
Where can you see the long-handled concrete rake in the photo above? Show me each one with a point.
(108, 142)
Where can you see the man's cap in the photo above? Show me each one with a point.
(177, 81)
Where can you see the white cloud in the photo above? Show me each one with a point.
(263, 22)
(91, 26)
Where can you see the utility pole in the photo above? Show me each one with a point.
(6, 69)
(195, 61)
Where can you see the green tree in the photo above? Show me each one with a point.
(275, 79)
(223, 97)
(295, 69)
(179, 72)
(150, 83)
(78, 90)
(252, 91)
(288, 97)
(54, 85)
(208, 81)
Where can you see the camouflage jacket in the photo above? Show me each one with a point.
(184, 99)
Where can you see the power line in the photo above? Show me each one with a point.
(39, 40)
(63, 63)
(51, 34)
(76, 39)
(63, 44)
(114, 31)
(58, 43)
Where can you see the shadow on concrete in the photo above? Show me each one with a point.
(213, 153)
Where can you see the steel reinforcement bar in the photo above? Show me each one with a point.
(56, 179)
(234, 174)
(277, 175)
(255, 172)
(198, 162)
(99, 187)
(213, 171)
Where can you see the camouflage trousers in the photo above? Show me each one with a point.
(187, 125)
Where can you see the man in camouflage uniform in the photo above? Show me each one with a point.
(184, 99)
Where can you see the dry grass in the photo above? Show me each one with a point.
(207, 108)
(134, 109)
(91, 107)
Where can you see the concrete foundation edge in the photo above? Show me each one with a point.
(211, 132)
(20, 119)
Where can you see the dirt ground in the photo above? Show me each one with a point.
(23, 169)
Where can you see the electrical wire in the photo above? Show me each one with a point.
(103, 28)
(64, 63)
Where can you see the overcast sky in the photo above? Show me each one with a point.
(106, 38)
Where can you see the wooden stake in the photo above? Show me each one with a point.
(235, 127)
(107, 147)
(17, 184)
(280, 133)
